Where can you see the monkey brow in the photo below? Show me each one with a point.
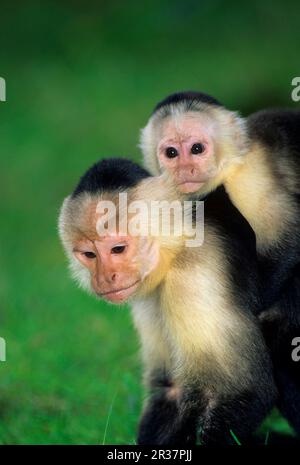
(182, 138)
(89, 234)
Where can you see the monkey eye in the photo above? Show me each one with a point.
(171, 152)
(89, 254)
(197, 148)
(118, 249)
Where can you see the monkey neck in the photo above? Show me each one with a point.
(255, 190)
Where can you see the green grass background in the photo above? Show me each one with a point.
(82, 78)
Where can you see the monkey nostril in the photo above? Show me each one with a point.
(113, 276)
(192, 171)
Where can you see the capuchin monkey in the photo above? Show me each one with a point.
(203, 145)
(207, 368)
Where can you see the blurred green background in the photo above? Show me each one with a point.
(82, 78)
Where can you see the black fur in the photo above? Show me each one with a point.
(279, 131)
(280, 328)
(189, 98)
(164, 423)
(110, 174)
(161, 424)
(240, 247)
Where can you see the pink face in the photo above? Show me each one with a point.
(111, 261)
(186, 151)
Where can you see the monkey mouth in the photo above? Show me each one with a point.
(187, 181)
(190, 186)
(119, 295)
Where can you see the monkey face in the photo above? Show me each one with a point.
(186, 150)
(199, 147)
(114, 263)
(110, 263)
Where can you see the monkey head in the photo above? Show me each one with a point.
(113, 265)
(195, 139)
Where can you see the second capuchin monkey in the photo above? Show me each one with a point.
(207, 369)
(204, 145)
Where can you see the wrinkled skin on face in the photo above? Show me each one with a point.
(186, 149)
(118, 264)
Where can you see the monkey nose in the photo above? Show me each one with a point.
(113, 277)
(187, 171)
(109, 277)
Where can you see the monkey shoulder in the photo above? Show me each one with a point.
(231, 225)
(238, 247)
(275, 128)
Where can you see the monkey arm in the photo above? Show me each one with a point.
(162, 421)
(221, 372)
(200, 415)
(232, 420)
(160, 409)
(212, 409)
